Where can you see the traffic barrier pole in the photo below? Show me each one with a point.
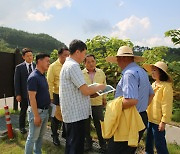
(8, 121)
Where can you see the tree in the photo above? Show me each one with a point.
(175, 36)
(54, 55)
(37, 42)
(4, 47)
(155, 54)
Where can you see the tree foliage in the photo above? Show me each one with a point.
(4, 47)
(155, 54)
(174, 35)
(54, 55)
(37, 42)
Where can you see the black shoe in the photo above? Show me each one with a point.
(23, 131)
(56, 141)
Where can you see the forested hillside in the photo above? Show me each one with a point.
(12, 38)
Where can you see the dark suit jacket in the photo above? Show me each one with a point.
(20, 80)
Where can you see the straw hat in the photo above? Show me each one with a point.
(159, 64)
(124, 51)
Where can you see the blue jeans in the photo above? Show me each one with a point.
(157, 137)
(35, 136)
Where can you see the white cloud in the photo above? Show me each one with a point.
(38, 16)
(58, 4)
(121, 3)
(21, 10)
(132, 27)
(156, 41)
(138, 30)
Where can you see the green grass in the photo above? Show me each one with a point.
(174, 148)
(176, 115)
(17, 145)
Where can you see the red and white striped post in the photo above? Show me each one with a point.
(8, 120)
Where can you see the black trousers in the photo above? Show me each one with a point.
(22, 115)
(122, 147)
(75, 135)
(55, 123)
(97, 114)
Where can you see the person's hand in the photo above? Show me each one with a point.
(104, 102)
(94, 95)
(161, 126)
(37, 121)
(18, 98)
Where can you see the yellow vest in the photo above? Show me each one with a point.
(53, 77)
(99, 77)
(123, 124)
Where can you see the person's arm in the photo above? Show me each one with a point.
(130, 90)
(50, 80)
(17, 83)
(151, 94)
(104, 101)
(166, 106)
(127, 102)
(91, 90)
(78, 80)
(150, 98)
(33, 103)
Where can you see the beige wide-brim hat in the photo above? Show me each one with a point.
(159, 64)
(124, 51)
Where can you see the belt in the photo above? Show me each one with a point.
(44, 108)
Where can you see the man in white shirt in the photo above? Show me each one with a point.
(74, 100)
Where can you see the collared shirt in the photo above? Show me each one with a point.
(53, 77)
(37, 82)
(74, 105)
(99, 77)
(27, 66)
(160, 109)
(135, 84)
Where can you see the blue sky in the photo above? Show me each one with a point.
(143, 22)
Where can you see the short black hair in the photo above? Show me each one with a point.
(25, 50)
(89, 55)
(162, 75)
(41, 56)
(60, 51)
(77, 45)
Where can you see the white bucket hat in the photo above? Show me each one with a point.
(159, 64)
(124, 51)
